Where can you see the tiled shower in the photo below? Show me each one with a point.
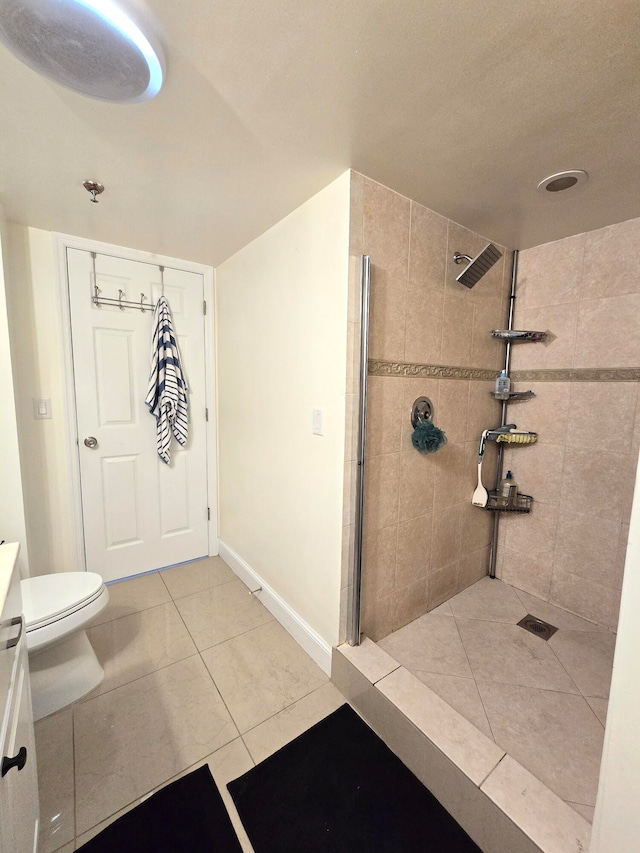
(423, 540)
(424, 543)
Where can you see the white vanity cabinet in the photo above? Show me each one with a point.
(19, 810)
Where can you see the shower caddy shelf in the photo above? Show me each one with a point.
(519, 336)
(514, 396)
(522, 504)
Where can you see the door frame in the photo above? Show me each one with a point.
(62, 242)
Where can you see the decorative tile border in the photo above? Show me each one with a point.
(437, 371)
(445, 371)
(579, 374)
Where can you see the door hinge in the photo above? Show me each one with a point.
(204, 306)
(206, 414)
(208, 514)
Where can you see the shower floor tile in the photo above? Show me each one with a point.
(543, 702)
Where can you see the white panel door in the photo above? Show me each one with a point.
(138, 513)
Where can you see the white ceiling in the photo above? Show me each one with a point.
(463, 105)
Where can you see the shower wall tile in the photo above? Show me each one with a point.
(551, 274)
(487, 314)
(414, 550)
(387, 218)
(451, 475)
(547, 413)
(476, 527)
(382, 490)
(428, 247)
(384, 413)
(416, 506)
(608, 331)
(417, 482)
(377, 616)
(537, 469)
(598, 482)
(410, 602)
(424, 316)
(601, 415)
(453, 407)
(457, 327)
(557, 351)
(525, 571)
(473, 566)
(587, 546)
(445, 539)
(387, 315)
(612, 261)
(591, 600)
(443, 584)
(379, 552)
(534, 533)
(483, 411)
(593, 307)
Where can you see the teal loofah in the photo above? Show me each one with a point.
(427, 438)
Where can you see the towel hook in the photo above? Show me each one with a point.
(162, 280)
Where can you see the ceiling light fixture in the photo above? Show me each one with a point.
(93, 187)
(562, 181)
(91, 46)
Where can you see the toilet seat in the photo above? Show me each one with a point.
(58, 604)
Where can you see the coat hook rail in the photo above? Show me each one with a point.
(122, 303)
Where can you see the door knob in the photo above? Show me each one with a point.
(90, 441)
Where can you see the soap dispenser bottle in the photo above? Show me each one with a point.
(503, 386)
(508, 491)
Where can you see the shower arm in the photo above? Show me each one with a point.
(459, 257)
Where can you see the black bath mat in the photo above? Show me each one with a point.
(187, 816)
(339, 789)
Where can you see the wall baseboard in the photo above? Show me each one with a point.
(310, 640)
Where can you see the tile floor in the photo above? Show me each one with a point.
(196, 671)
(544, 702)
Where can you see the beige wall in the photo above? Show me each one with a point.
(570, 550)
(282, 344)
(38, 368)
(12, 515)
(616, 824)
(424, 541)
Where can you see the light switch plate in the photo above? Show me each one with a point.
(42, 409)
(317, 422)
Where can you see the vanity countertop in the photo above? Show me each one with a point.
(8, 557)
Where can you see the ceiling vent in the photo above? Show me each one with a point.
(562, 181)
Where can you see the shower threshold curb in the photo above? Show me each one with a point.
(499, 803)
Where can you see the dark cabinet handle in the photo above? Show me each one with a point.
(17, 620)
(18, 761)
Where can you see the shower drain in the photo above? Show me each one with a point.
(537, 626)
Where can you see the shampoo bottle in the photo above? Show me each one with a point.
(508, 491)
(503, 386)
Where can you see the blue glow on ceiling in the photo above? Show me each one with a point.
(113, 15)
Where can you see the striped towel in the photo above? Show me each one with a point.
(167, 394)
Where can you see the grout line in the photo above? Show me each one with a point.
(475, 681)
(495, 767)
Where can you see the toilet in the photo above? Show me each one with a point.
(63, 665)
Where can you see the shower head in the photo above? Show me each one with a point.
(478, 266)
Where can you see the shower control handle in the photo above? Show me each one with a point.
(90, 441)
